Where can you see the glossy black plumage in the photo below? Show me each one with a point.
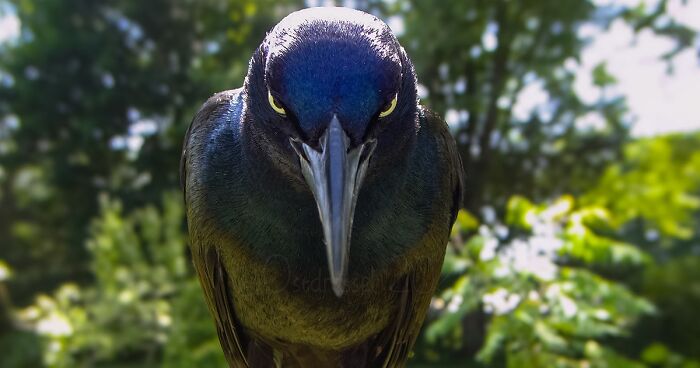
(256, 238)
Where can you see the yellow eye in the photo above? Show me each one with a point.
(275, 106)
(390, 108)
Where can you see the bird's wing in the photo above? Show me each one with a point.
(392, 346)
(211, 272)
(394, 343)
(207, 115)
(213, 278)
(452, 160)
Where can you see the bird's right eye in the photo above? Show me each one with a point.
(275, 104)
(389, 108)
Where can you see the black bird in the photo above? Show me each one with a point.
(320, 197)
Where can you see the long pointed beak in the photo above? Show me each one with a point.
(335, 174)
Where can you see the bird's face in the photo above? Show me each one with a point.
(332, 93)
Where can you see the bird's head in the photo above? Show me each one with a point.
(331, 99)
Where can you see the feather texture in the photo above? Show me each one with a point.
(257, 244)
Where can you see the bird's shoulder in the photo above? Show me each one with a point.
(449, 162)
(221, 109)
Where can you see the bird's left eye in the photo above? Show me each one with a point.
(389, 108)
(275, 105)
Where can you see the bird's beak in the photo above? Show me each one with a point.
(335, 174)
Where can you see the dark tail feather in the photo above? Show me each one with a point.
(260, 356)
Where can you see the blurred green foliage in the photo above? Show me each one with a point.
(548, 275)
(145, 307)
(657, 181)
(577, 247)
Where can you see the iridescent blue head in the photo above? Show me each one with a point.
(331, 99)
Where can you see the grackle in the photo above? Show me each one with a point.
(320, 198)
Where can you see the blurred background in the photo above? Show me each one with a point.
(578, 122)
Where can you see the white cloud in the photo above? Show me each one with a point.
(687, 13)
(490, 37)
(397, 25)
(9, 27)
(660, 102)
(592, 121)
(452, 117)
(532, 96)
(628, 3)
